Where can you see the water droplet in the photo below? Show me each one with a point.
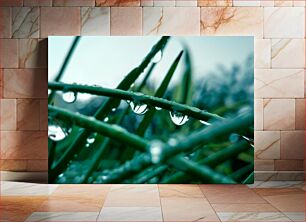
(139, 108)
(132, 85)
(113, 109)
(156, 151)
(172, 142)
(91, 139)
(49, 91)
(158, 108)
(87, 145)
(106, 119)
(128, 101)
(69, 97)
(56, 133)
(205, 123)
(178, 118)
(158, 56)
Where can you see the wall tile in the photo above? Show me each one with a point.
(95, 21)
(163, 3)
(305, 82)
(37, 165)
(1, 83)
(24, 145)
(25, 23)
(248, 3)
(300, 114)
(8, 114)
(27, 114)
(117, 3)
(4, 3)
(267, 145)
(220, 3)
(283, 50)
(232, 21)
(262, 53)
(280, 3)
(266, 3)
(299, 3)
(25, 83)
(8, 53)
(5, 22)
(33, 53)
(292, 145)
(289, 165)
(73, 2)
(159, 21)
(258, 107)
(13, 165)
(263, 165)
(186, 3)
(279, 114)
(54, 21)
(278, 22)
(146, 2)
(37, 2)
(279, 83)
(43, 114)
(126, 21)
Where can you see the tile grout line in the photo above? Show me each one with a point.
(161, 208)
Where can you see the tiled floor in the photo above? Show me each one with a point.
(269, 201)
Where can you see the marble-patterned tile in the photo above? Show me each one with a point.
(284, 49)
(32, 53)
(279, 176)
(25, 83)
(253, 216)
(13, 165)
(95, 21)
(8, 114)
(246, 3)
(279, 83)
(160, 21)
(23, 144)
(130, 214)
(6, 3)
(146, 2)
(230, 194)
(211, 3)
(126, 21)
(279, 114)
(37, 2)
(37, 165)
(63, 216)
(187, 209)
(299, 3)
(18, 208)
(289, 165)
(262, 53)
(186, 3)
(133, 196)
(5, 22)
(283, 3)
(124, 3)
(54, 21)
(258, 107)
(292, 145)
(267, 3)
(25, 22)
(163, 3)
(43, 114)
(232, 21)
(8, 53)
(267, 144)
(180, 190)
(300, 114)
(9, 188)
(295, 216)
(263, 165)
(277, 184)
(73, 2)
(263, 207)
(27, 114)
(278, 22)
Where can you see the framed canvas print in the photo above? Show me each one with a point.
(137, 110)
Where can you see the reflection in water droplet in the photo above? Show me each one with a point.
(155, 151)
(113, 109)
(205, 123)
(49, 91)
(69, 97)
(91, 139)
(106, 119)
(158, 108)
(158, 56)
(56, 133)
(178, 118)
(139, 108)
(128, 101)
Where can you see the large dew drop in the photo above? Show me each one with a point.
(138, 108)
(56, 133)
(158, 56)
(69, 97)
(178, 118)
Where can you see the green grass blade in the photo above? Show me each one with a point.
(249, 179)
(186, 80)
(237, 175)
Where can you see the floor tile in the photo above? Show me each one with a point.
(63, 216)
(180, 190)
(187, 209)
(296, 216)
(251, 216)
(9, 188)
(130, 214)
(230, 194)
(133, 196)
(264, 207)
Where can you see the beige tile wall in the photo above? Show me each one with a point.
(278, 27)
